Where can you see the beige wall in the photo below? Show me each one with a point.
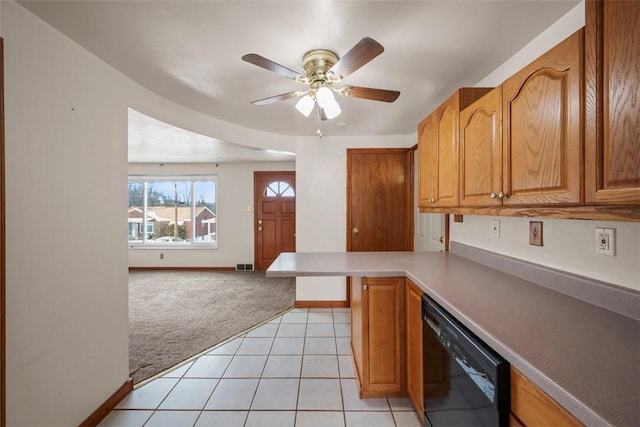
(66, 314)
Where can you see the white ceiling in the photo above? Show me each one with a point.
(190, 52)
(153, 141)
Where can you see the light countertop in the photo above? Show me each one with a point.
(585, 357)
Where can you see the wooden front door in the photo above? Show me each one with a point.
(275, 216)
(380, 199)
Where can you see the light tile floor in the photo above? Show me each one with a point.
(295, 370)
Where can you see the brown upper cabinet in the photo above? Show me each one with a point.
(438, 150)
(542, 129)
(534, 155)
(612, 82)
(481, 151)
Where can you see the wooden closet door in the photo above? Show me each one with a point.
(379, 199)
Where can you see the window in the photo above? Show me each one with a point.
(278, 188)
(172, 211)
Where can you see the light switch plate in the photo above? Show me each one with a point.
(535, 233)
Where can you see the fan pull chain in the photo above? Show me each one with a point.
(318, 132)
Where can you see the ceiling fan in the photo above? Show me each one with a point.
(323, 68)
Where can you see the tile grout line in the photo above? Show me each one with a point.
(296, 411)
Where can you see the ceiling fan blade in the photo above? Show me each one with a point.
(364, 51)
(370, 93)
(267, 64)
(274, 99)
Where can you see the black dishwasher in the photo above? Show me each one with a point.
(466, 383)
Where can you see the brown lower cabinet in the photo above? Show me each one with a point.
(387, 343)
(532, 407)
(378, 335)
(415, 378)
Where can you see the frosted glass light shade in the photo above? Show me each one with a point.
(305, 105)
(332, 109)
(324, 96)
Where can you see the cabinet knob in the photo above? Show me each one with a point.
(493, 195)
(501, 195)
(259, 228)
(364, 287)
(355, 230)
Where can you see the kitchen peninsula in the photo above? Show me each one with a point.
(576, 339)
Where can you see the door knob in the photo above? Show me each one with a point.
(355, 230)
(441, 239)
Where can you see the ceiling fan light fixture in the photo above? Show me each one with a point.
(324, 97)
(323, 68)
(332, 109)
(305, 105)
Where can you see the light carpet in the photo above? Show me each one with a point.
(174, 315)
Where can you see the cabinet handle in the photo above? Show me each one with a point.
(364, 287)
(493, 195)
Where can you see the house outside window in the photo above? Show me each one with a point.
(174, 211)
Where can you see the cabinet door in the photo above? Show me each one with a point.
(413, 308)
(612, 79)
(383, 329)
(481, 151)
(533, 407)
(428, 161)
(447, 120)
(542, 113)
(357, 321)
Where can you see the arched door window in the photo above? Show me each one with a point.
(279, 188)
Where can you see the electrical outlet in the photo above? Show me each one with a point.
(606, 241)
(535, 233)
(495, 228)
